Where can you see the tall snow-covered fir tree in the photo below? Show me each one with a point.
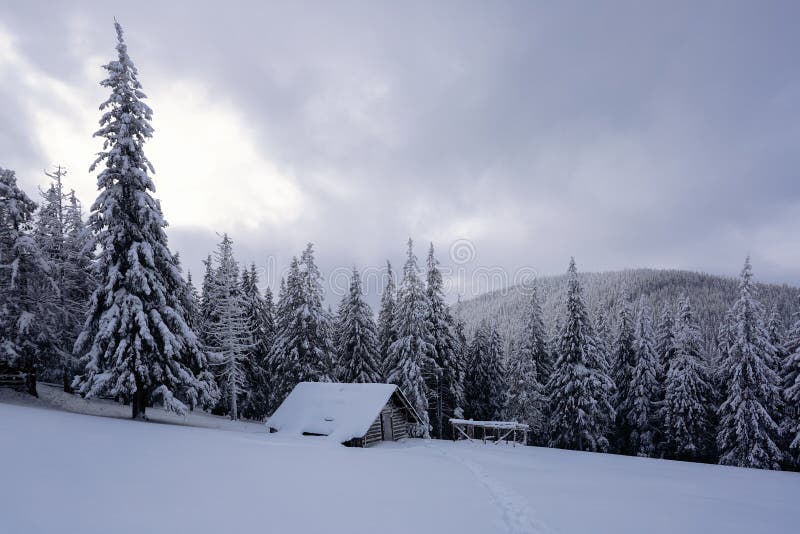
(386, 321)
(206, 315)
(412, 353)
(135, 343)
(748, 436)
(445, 382)
(624, 362)
(687, 404)
(775, 332)
(231, 339)
(66, 244)
(790, 381)
(485, 382)
(24, 274)
(580, 390)
(192, 304)
(462, 359)
(640, 406)
(603, 337)
(303, 348)
(269, 316)
(528, 371)
(356, 337)
(258, 312)
(665, 340)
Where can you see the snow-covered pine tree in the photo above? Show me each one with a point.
(790, 381)
(720, 372)
(687, 402)
(386, 321)
(580, 390)
(207, 305)
(66, 245)
(534, 340)
(603, 338)
(255, 402)
(641, 402)
(135, 340)
(528, 371)
(79, 276)
(775, 331)
(412, 353)
(192, 304)
(665, 340)
(485, 383)
(303, 348)
(230, 337)
(474, 394)
(445, 381)
(357, 340)
(56, 338)
(624, 362)
(748, 436)
(24, 273)
(462, 357)
(269, 317)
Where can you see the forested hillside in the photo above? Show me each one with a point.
(711, 297)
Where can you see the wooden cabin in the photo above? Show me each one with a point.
(11, 376)
(355, 415)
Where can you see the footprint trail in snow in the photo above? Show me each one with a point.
(516, 514)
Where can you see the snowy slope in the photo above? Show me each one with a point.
(73, 473)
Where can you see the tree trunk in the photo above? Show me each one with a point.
(67, 375)
(31, 380)
(234, 394)
(139, 402)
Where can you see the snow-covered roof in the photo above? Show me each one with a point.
(340, 411)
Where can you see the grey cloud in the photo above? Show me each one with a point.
(625, 133)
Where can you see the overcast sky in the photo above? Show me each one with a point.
(627, 134)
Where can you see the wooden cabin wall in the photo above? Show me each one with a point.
(374, 433)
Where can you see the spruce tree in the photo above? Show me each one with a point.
(24, 275)
(269, 317)
(528, 371)
(775, 332)
(357, 340)
(624, 362)
(685, 413)
(485, 382)
(665, 341)
(258, 313)
(445, 381)
(603, 339)
(66, 245)
(641, 402)
(303, 348)
(579, 388)
(386, 321)
(462, 359)
(790, 381)
(135, 342)
(192, 304)
(748, 435)
(412, 353)
(230, 334)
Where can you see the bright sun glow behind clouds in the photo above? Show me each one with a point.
(209, 172)
(208, 169)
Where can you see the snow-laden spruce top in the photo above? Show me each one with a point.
(340, 411)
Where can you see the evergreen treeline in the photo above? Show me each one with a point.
(628, 365)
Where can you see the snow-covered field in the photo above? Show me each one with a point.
(67, 472)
